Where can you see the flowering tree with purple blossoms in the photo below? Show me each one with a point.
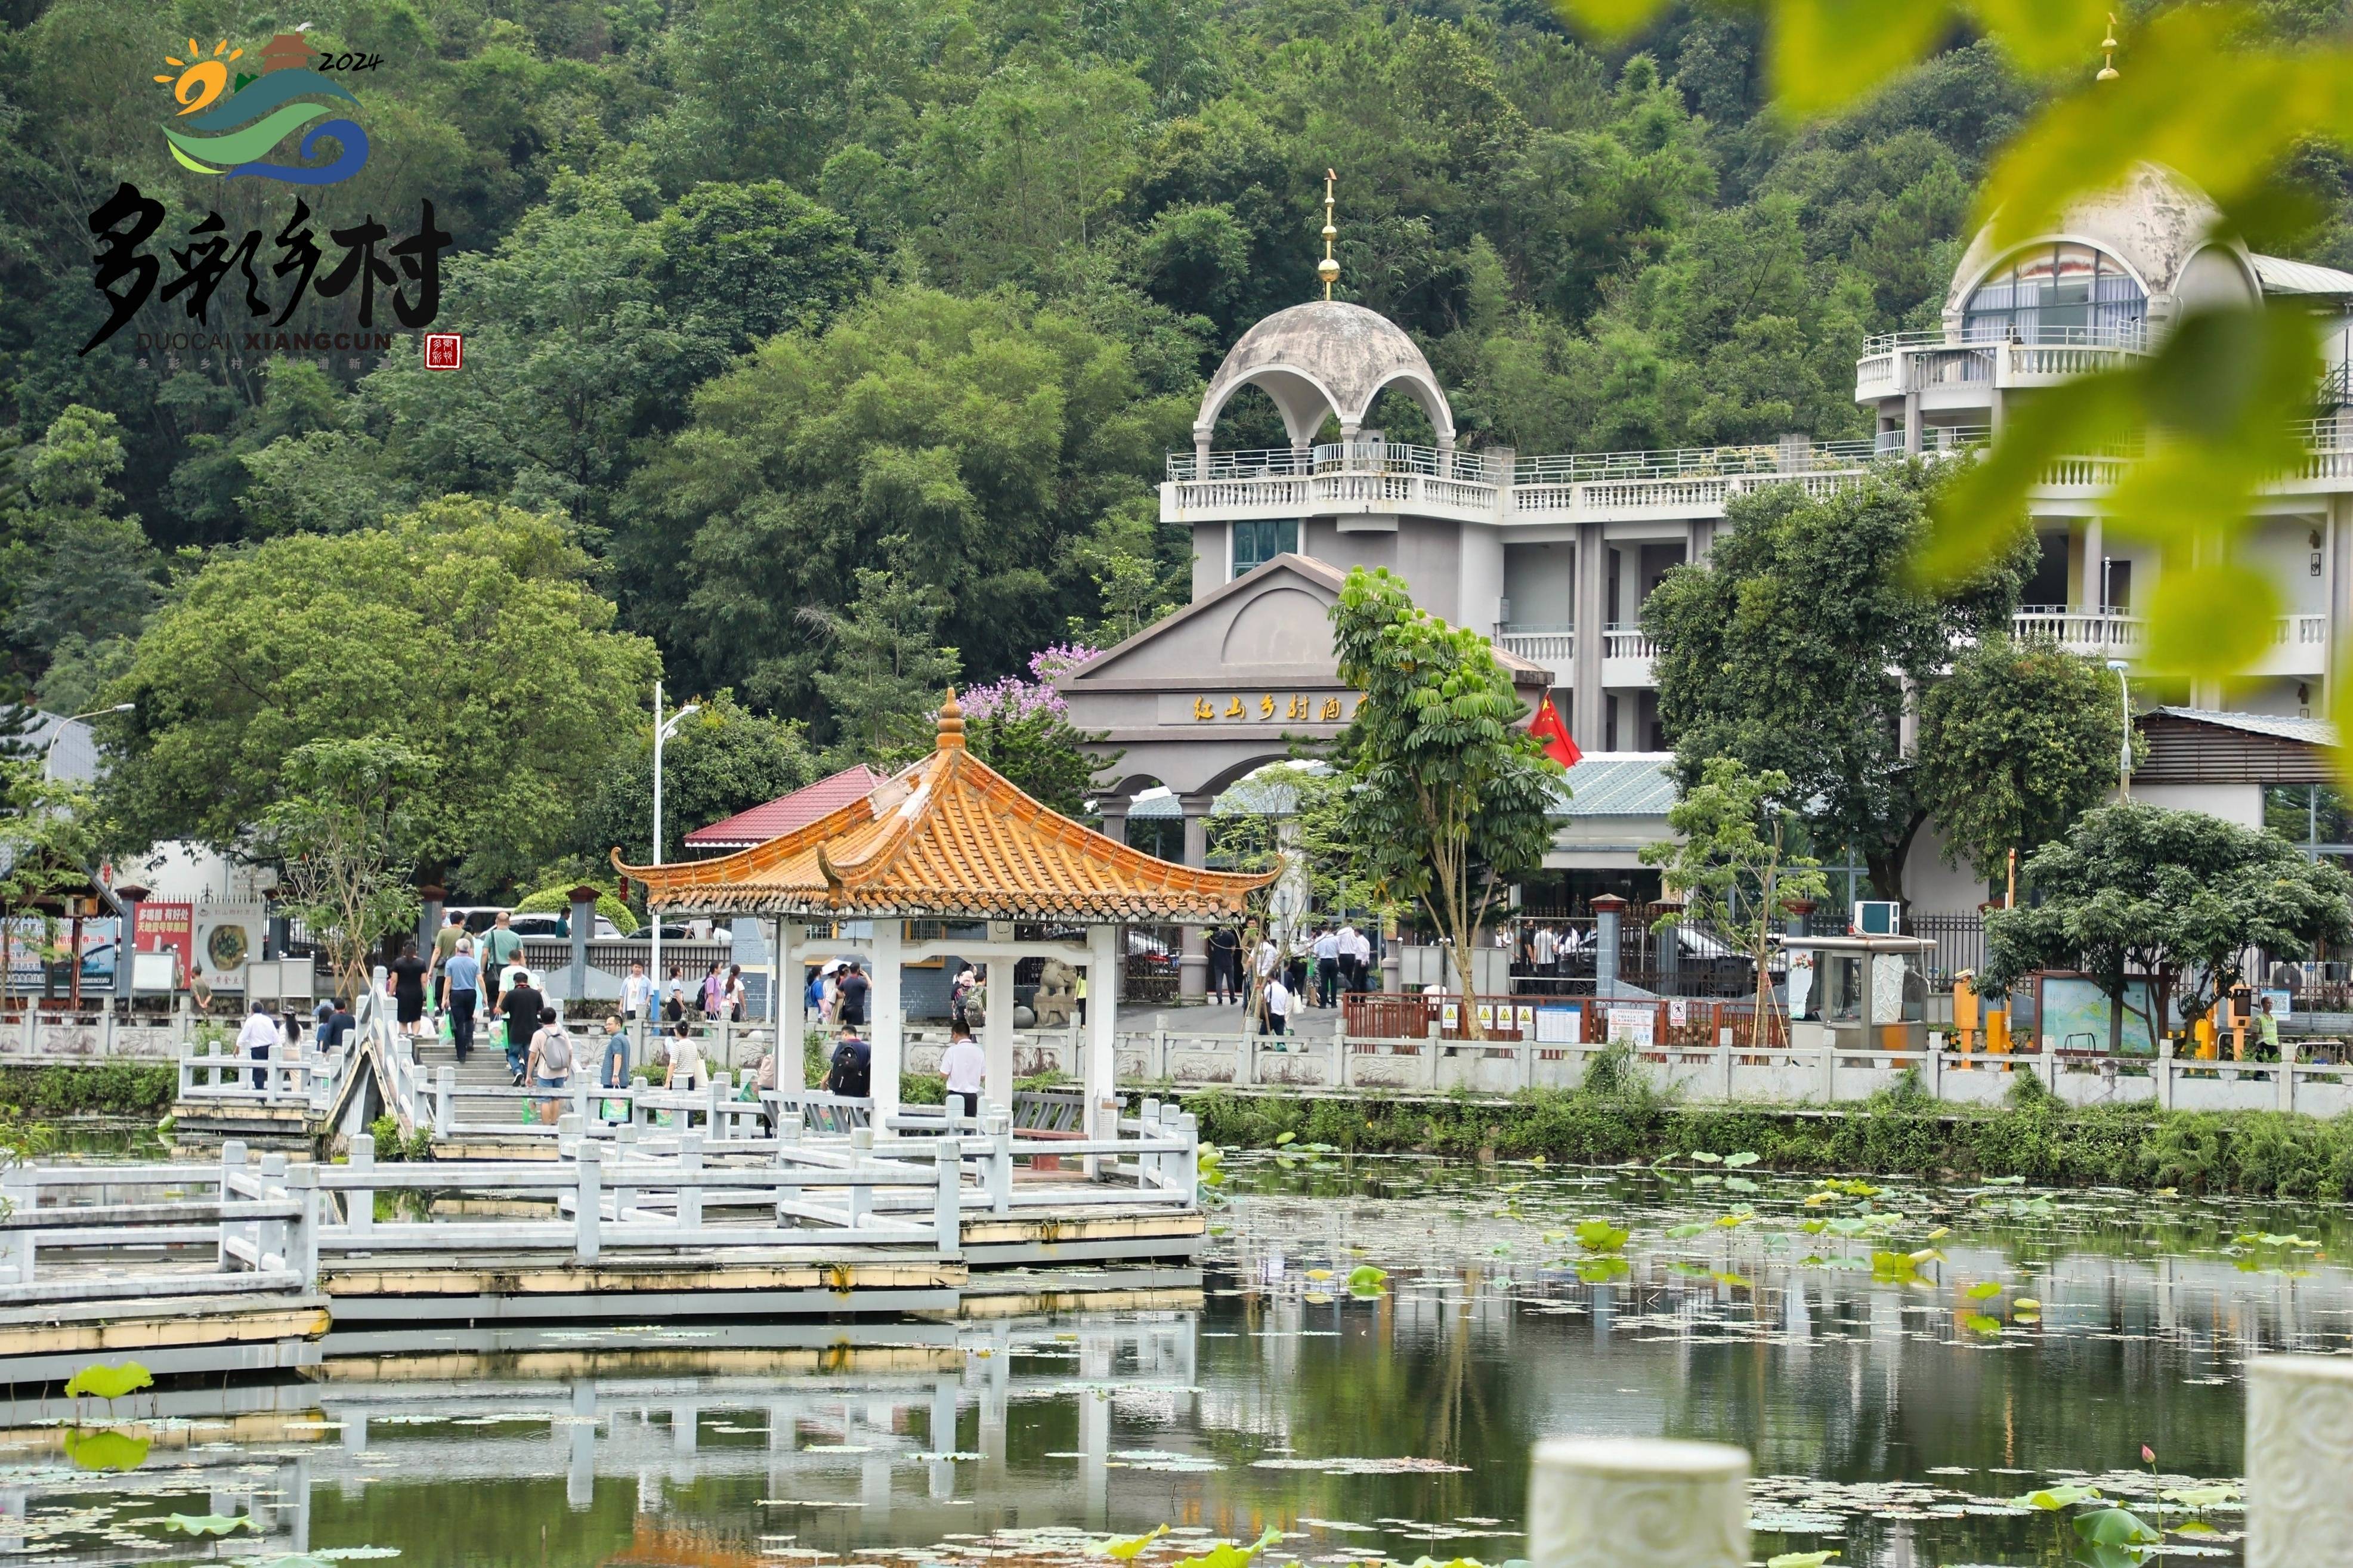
(1023, 730)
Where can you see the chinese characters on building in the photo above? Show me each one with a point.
(408, 270)
(1289, 708)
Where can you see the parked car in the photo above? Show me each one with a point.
(680, 933)
(558, 928)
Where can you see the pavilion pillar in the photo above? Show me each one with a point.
(996, 1035)
(792, 1012)
(888, 1026)
(1103, 1014)
(1193, 964)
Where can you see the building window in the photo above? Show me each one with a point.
(2058, 294)
(1256, 543)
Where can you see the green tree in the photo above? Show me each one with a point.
(342, 841)
(1791, 651)
(48, 844)
(1446, 790)
(2181, 897)
(1731, 866)
(467, 633)
(722, 760)
(75, 568)
(2015, 745)
(884, 669)
(977, 437)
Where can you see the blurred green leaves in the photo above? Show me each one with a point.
(2217, 407)
(2206, 93)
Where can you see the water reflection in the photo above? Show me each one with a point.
(1889, 1413)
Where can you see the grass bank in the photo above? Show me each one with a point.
(2252, 1154)
(105, 1088)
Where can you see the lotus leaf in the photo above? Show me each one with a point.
(109, 1381)
(1985, 1291)
(1227, 1555)
(1702, 1157)
(106, 1450)
(2055, 1497)
(1600, 1235)
(2116, 1527)
(1282, 1137)
(207, 1523)
(1126, 1550)
(1745, 1157)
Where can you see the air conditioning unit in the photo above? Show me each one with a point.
(1874, 917)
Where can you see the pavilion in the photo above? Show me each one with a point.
(980, 870)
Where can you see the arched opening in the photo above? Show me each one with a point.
(1249, 422)
(2058, 292)
(1397, 412)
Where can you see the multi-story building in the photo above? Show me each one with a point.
(1553, 556)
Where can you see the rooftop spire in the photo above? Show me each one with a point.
(1327, 268)
(2109, 71)
(951, 724)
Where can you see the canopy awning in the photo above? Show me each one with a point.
(949, 838)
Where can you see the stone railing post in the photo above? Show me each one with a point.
(588, 1203)
(359, 1202)
(2299, 1444)
(1607, 1502)
(1608, 909)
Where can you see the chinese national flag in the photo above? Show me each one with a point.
(1546, 726)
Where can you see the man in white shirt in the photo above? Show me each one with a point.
(1278, 1006)
(1350, 980)
(255, 1039)
(965, 1066)
(1327, 966)
(637, 992)
(1360, 958)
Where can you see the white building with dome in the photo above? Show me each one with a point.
(1552, 556)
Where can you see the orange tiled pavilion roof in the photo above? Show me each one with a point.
(949, 837)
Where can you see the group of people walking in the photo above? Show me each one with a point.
(1275, 981)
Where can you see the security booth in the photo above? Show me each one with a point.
(1859, 992)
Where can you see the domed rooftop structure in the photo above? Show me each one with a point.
(2154, 230)
(1325, 357)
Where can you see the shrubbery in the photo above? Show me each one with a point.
(2256, 1153)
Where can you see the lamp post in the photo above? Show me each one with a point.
(663, 729)
(50, 755)
(2124, 750)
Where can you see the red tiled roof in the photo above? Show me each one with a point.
(949, 837)
(785, 813)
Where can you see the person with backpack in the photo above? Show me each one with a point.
(713, 997)
(551, 1063)
(852, 1073)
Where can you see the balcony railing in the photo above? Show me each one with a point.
(1333, 458)
(1694, 462)
(2084, 631)
(1553, 647)
(2134, 338)
(1627, 641)
(1936, 440)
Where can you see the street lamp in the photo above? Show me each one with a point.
(50, 755)
(663, 729)
(2124, 751)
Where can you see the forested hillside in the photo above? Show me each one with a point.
(826, 322)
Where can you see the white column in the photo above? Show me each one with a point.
(889, 1020)
(1102, 1010)
(997, 1034)
(2299, 1442)
(1603, 1502)
(2094, 597)
(791, 1016)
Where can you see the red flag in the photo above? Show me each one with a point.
(1546, 726)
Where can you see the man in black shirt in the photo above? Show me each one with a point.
(853, 1073)
(337, 1025)
(522, 1006)
(854, 989)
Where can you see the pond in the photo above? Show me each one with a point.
(1903, 1360)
